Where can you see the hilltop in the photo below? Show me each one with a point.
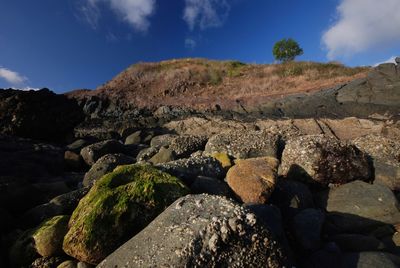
(204, 84)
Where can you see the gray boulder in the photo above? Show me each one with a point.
(213, 232)
(322, 160)
(189, 168)
(93, 152)
(162, 156)
(307, 228)
(243, 144)
(104, 165)
(207, 185)
(162, 140)
(369, 259)
(397, 60)
(359, 206)
(146, 154)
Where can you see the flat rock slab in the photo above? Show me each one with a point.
(200, 231)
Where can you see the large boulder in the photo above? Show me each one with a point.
(189, 168)
(212, 231)
(118, 206)
(243, 144)
(321, 160)
(93, 152)
(307, 228)
(104, 165)
(359, 206)
(253, 180)
(41, 115)
(369, 259)
(385, 154)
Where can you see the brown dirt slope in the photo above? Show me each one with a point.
(205, 84)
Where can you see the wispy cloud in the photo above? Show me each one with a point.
(11, 77)
(135, 12)
(389, 60)
(363, 25)
(190, 43)
(205, 13)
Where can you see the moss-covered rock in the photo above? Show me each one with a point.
(49, 236)
(118, 206)
(223, 158)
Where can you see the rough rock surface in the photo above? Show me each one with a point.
(243, 144)
(104, 165)
(118, 206)
(162, 140)
(358, 206)
(253, 180)
(322, 160)
(162, 156)
(307, 228)
(93, 152)
(213, 232)
(184, 146)
(190, 168)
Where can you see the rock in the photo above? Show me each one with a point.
(320, 160)
(41, 114)
(162, 156)
(213, 232)
(162, 140)
(243, 144)
(190, 168)
(49, 236)
(93, 152)
(224, 159)
(134, 138)
(358, 206)
(118, 206)
(357, 242)
(46, 240)
(291, 197)
(73, 161)
(397, 60)
(46, 262)
(328, 257)
(206, 185)
(385, 154)
(68, 264)
(61, 205)
(253, 180)
(77, 145)
(82, 264)
(370, 259)
(307, 228)
(184, 146)
(104, 165)
(146, 154)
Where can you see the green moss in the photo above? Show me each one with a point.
(118, 206)
(234, 68)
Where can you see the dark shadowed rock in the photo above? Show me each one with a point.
(322, 160)
(243, 144)
(213, 232)
(369, 259)
(93, 152)
(253, 180)
(104, 165)
(41, 114)
(207, 185)
(47, 262)
(146, 153)
(307, 228)
(190, 168)
(357, 242)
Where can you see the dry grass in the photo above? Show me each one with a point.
(205, 83)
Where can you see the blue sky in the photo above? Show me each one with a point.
(71, 44)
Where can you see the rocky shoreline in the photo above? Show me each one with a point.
(308, 180)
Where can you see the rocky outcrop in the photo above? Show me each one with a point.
(213, 232)
(41, 114)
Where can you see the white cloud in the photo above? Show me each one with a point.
(11, 77)
(205, 13)
(190, 43)
(134, 12)
(390, 60)
(363, 25)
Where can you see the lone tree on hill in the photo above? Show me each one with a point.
(286, 50)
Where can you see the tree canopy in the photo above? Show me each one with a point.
(286, 50)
